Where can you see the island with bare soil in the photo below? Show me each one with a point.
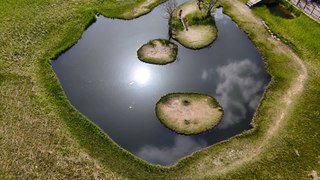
(158, 51)
(189, 113)
(192, 25)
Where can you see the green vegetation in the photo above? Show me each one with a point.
(282, 11)
(158, 51)
(194, 18)
(42, 136)
(188, 113)
(201, 26)
(286, 8)
(299, 33)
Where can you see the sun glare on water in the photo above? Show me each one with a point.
(141, 76)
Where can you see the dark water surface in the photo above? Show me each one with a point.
(280, 10)
(105, 81)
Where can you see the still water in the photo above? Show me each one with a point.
(104, 80)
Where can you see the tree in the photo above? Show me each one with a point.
(169, 7)
(210, 5)
(199, 4)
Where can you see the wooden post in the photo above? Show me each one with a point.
(298, 2)
(305, 4)
(313, 9)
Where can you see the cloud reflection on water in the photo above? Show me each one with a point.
(240, 84)
(219, 16)
(166, 155)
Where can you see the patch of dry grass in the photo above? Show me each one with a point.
(158, 51)
(196, 37)
(34, 143)
(189, 113)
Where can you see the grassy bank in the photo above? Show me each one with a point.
(42, 136)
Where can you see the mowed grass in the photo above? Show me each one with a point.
(42, 136)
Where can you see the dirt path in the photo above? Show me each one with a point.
(293, 92)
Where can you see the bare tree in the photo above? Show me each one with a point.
(169, 7)
(199, 4)
(210, 4)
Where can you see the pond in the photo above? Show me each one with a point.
(103, 78)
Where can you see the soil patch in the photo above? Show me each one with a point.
(314, 175)
(158, 51)
(196, 37)
(189, 113)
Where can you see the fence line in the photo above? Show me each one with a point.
(310, 8)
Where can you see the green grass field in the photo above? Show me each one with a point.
(42, 136)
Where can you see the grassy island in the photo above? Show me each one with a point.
(158, 51)
(189, 113)
(201, 30)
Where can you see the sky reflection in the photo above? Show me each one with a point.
(141, 75)
(239, 87)
(182, 146)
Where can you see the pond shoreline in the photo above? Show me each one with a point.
(66, 141)
(199, 71)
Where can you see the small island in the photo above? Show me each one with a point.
(158, 51)
(196, 27)
(189, 113)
